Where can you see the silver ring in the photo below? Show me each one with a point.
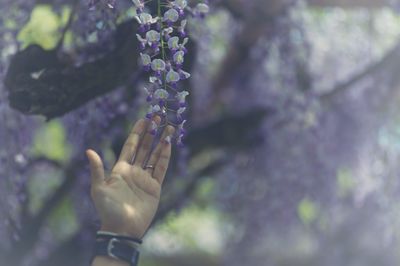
(149, 166)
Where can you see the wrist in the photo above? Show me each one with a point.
(122, 232)
(107, 261)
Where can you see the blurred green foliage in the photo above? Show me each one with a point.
(307, 210)
(63, 221)
(44, 27)
(345, 182)
(40, 185)
(182, 226)
(50, 141)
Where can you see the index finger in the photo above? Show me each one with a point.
(130, 146)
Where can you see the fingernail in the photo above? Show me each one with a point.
(167, 139)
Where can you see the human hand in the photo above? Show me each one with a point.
(127, 200)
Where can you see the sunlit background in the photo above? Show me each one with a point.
(292, 156)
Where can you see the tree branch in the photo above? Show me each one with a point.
(349, 3)
(40, 83)
(234, 131)
(75, 6)
(389, 66)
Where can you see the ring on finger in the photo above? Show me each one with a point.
(149, 166)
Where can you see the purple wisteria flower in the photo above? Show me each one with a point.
(162, 39)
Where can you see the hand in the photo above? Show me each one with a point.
(127, 200)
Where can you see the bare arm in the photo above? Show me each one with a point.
(127, 200)
(104, 261)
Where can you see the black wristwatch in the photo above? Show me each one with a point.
(117, 247)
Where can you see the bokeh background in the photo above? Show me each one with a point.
(292, 155)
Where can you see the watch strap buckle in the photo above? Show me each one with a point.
(110, 246)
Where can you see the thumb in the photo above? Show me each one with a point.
(96, 167)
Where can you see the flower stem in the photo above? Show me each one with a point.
(161, 30)
(159, 4)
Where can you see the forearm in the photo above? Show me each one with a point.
(105, 261)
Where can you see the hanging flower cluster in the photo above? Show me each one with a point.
(163, 40)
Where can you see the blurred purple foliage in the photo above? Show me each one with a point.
(303, 135)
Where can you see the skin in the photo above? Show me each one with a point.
(128, 198)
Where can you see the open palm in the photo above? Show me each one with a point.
(127, 200)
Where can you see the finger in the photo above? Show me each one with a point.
(155, 155)
(162, 163)
(96, 167)
(130, 146)
(146, 143)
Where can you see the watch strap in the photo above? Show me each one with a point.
(117, 249)
(109, 235)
